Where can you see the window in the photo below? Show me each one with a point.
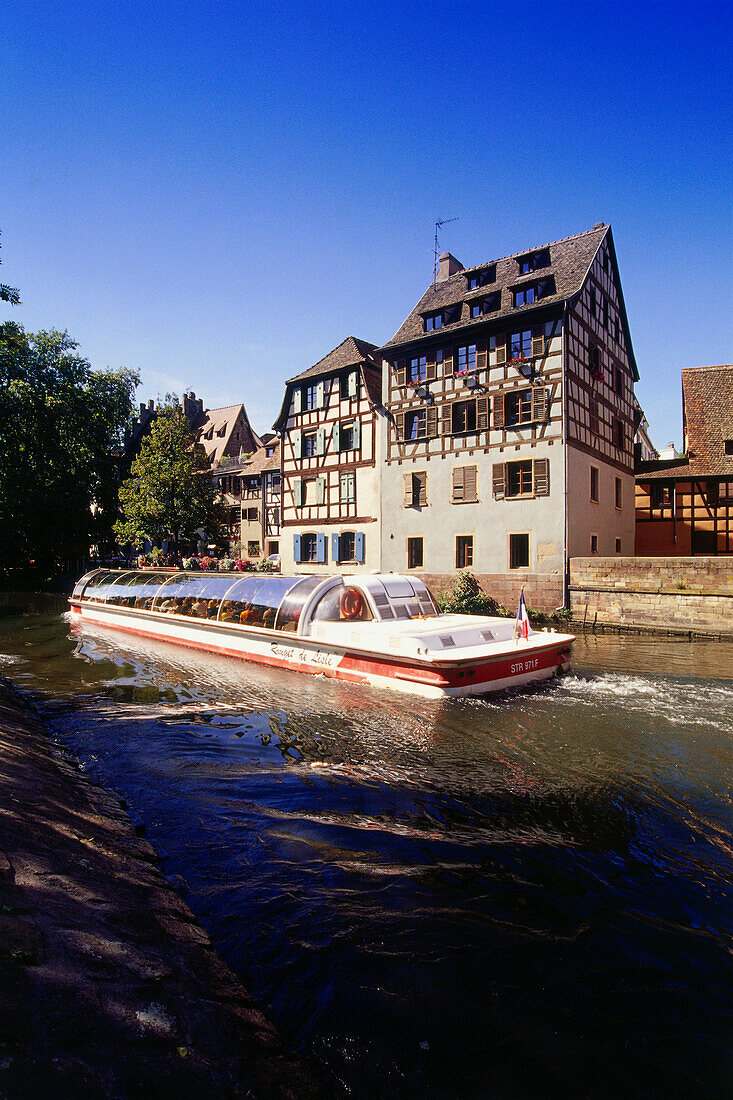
(346, 437)
(593, 422)
(534, 261)
(433, 321)
(349, 386)
(520, 344)
(728, 446)
(481, 278)
(594, 361)
(463, 417)
(416, 489)
(661, 494)
(594, 544)
(594, 492)
(269, 452)
(593, 304)
(619, 492)
(615, 328)
(466, 358)
(310, 397)
(273, 547)
(310, 444)
(618, 546)
(618, 381)
(530, 477)
(252, 514)
(464, 551)
(619, 438)
(519, 479)
(464, 485)
(517, 407)
(484, 305)
(414, 553)
(417, 369)
(308, 547)
(415, 424)
(605, 312)
(253, 549)
(532, 292)
(347, 546)
(519, 551)
(348, 487)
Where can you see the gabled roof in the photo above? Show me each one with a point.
(347, 354)
(260, 463)
(707, 410)
(214, 431)
(570, 261)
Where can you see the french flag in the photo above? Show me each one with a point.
(521, 626)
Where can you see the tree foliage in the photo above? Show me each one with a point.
(169, 494)
(60, 424)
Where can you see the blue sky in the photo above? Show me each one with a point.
(217, 194)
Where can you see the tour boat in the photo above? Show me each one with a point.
(371, 628)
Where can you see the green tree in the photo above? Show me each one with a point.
(60, 425)
(170, 493)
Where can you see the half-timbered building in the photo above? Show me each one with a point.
(684, 505)
(330, 427)
(509, 398)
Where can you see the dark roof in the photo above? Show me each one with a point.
(707, 405)
(350, 353)
(219, 424)
(570, 260)
(260, 462)
(347, 354)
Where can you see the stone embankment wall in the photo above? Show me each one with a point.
(688, 595)
(542, 591)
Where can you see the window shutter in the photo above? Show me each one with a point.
(480, 355)
(539, 404)
(297, 495)
(448, 362)
(320, 395)
(431, 421)
(422, 488)
(501, 348)
(297, 405)
(541, 478)
(497, 480)
(296, 548)
(482, 414)
(320, 549)
(458, 484)
(357, 434)
(321, 441)
(400, 369)
(407, 500)
(359, 546)
(321, 490)
(538, 340)
(499, 411)
(469, 484)
(296, 438)
(399, 424)
(352, 383)
(336, 437)
(335, 556)
(446, 418)
(430, 367)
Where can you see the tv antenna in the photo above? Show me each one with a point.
(436, 255)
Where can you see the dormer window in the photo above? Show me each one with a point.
(433, 321)
(534, 261)
(479, 306)
(477, 279)
(417, 369)
(532, 292)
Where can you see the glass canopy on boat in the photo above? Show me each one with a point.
(261, 600)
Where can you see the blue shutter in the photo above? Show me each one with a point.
(352, 384)
(335, 556)
(320, 395)
(336, 438)
(321, 490)
(321, 441)
(320, 548)
(359, 546)
(296, 440)
(357, 434)
(297, 401)
(296, 547)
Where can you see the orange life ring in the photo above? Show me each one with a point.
(352, 603)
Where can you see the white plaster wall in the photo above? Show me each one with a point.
(603, 519)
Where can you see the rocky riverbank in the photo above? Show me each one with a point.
(108, 986)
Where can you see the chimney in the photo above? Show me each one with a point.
(192, 405)
(151, 405)
(449, 265)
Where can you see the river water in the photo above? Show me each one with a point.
(520, 896)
